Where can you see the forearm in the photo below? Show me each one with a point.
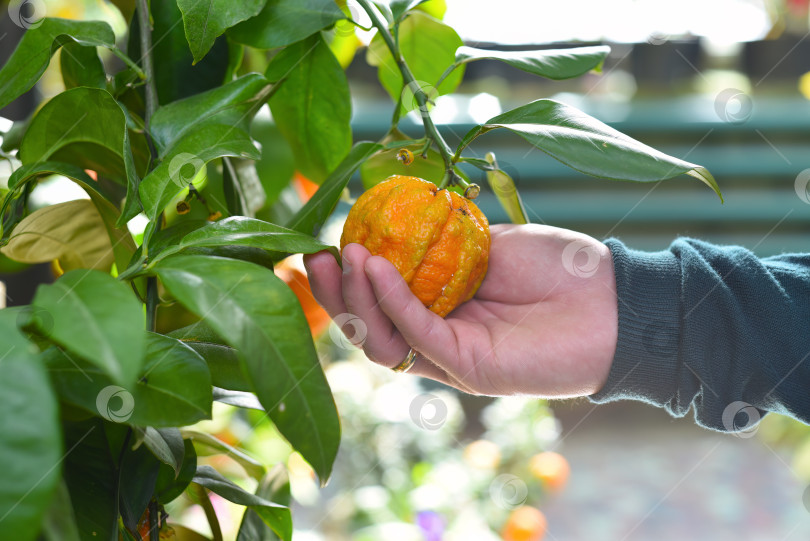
(708, 326)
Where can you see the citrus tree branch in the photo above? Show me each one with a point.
(432, 133)
(145, 27)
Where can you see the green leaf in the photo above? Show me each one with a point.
(71, 232)
(166, 444)
(59, 523)
(122, 244)
(260, 316)
(312, 108)
(237, 399)
(315, 212)
(177, 76)
(274, 515)
(233, 104)
(222, 360)
(31, 446)
(555, 64)
(283, 22)
(191, 153)
(505, 190)
(399, 7)
(90, 474)
(172, 389)
(587, 145)
(238, 230)
(81, 66)
(170, 484)
(205, 20)
(33, 54)
(85, 127)
(98, 318)
(275, 486)
(211, 445)
(137, 475)
(429, 48)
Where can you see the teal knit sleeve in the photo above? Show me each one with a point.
(712, 328)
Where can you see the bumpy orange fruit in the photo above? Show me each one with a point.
(437, 239)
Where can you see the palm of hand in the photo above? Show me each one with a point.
(543, 322)
(538, 321)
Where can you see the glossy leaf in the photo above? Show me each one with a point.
(72, 233)
(33, 54)
(260, 316)
(233, 104)
(205, 20)
(31, 446)
(177, 76)
(192, 152)
(85, 127)
(137, 474)
(274, 515)
(312, 107)
(81, 66)
(275, 486)
(429, 48)
(587, 145)
(170, 484)
(211, 445)
(120, 239)
(238, 399)
(283, 22)
(166, 444)
(505, 190)
(222, 360)
(556, 64)
(315, 212)
(97, 317)
(238, 230)
(173, 388)
(90, 474)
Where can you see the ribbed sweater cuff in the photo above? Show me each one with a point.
(645, 366)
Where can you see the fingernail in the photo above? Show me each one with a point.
(347, 266)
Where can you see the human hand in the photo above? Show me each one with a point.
(543, 323)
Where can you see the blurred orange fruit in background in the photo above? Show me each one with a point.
(551, 468)
(525, 523)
